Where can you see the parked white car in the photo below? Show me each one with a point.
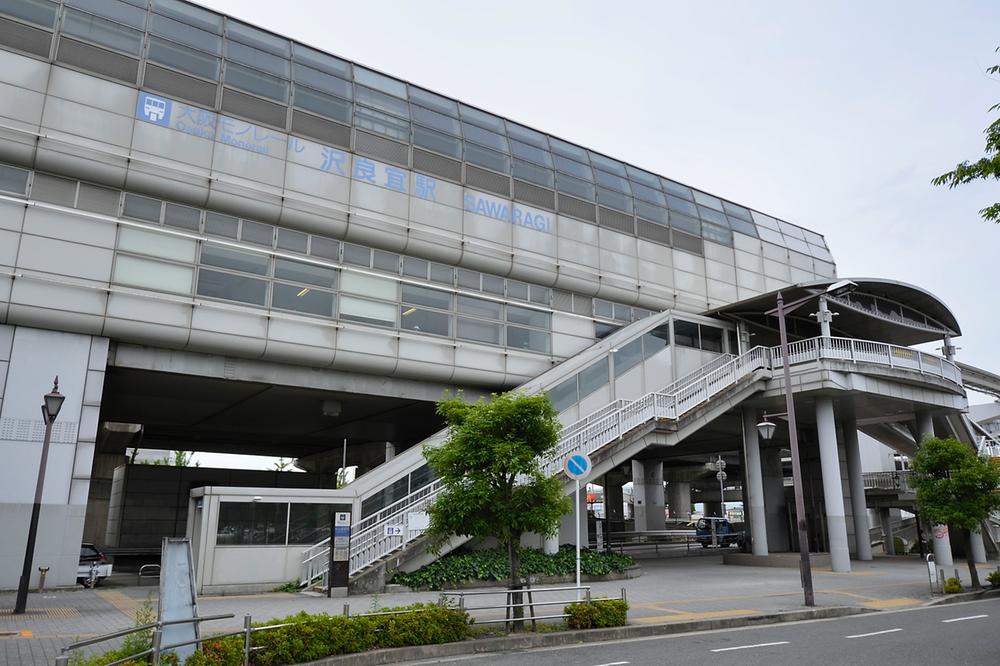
(94, 566)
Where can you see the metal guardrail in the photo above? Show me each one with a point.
(898, 481)
(525, 592)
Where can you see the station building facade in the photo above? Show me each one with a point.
(224, 240)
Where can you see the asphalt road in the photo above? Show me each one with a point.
(967, 633)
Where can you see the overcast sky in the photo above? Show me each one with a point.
(833, 115)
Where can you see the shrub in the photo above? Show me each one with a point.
(220, 652)
(492, 565)
(994, 579)
(952, 585)
(597, 614)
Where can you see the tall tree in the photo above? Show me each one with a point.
(986, 167)
(956, 487)
(493, 484)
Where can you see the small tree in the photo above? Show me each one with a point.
(493, 484)
(956, 487)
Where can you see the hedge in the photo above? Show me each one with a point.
(597, 614)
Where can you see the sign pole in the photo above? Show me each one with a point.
(576, 512)
(577, 466)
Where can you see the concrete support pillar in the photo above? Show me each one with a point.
(824, 317)
(390, 451)
(859, 511)
(614, 499)
(567, 529)
(679, 493)
(775, 510)
(889, 542)
(942, 546)
(713, 508)
(647, 491)
(978, 548)
(925, 425)
(833, 493)
(753, 494)
(550, 546)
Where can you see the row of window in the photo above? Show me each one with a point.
(396, 490)
(272, 523)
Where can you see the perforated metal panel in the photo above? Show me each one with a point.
(437, 165)
(481, 179)
(24, 38)
(254, 108)
(381, 148)
(654, 232)
(322, 129)
(534, 195)
(179, 85)
(583, 305)
(60, 191)
(684, 241)
(98, 60)
(576, 208)
(612, 219)
(562, 300)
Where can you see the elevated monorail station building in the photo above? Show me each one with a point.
(223, 240)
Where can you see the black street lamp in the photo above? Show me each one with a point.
(51, 404)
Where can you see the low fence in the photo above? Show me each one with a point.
(528, 602)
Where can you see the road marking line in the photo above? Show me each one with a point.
(615, 663)
(874, 633)
(746, 647)
(959, 619)
(898, 602)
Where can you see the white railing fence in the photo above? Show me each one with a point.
(370, 543)
(898, 480)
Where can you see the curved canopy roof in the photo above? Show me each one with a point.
(877, 309)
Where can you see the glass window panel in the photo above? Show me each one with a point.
(644, 177)
(814, 238)
(707, 200)
(257, 59)
(736, 211)
(102, 32)
(357, 255)
(573, 168)
(269, 523)
(493, 285)
(676, 189)
(682, 206)
(602, 330)
(487, 158)
(235, 524)
(534, 174)
(796, 244)
(527, 135)
(367, 312)
(302, 299)
(612, 199)
(564, 394)
(414, 267)
(61, 191)
(41, 12)
(258, 38)
(518, 290)
(298, 271)
(528, 317)
(441, 143)
(324, 247)
(604, 309)
(479, 307)
(593, 377)
(711, 338)
(648, 194)
(432, 101)
(381, 123)
(685, 334)
(183, 217)
(478, 331)
(257, 233)
(575, 186)
(771, 235)
(380, 82)
(424, 321)
(622, 312)
(741, 225)
(155, 244)
(257, 82)
(98, 199)
(656, 340)
(628, 356)
(792, 230)
(309, 524)
(438, 121)
(196, 16)
(237, 260)
(156, 275)
(527, 338)
(323, 104)
(714, 216)
(368, 285)
(183, 58)
(469, 279)
(420, 477)
(386, 261)
(185, 34)
(531, 153)
(568, 150)
(443, 274)
(13, 180)
(685, 223)
(321, 61)
(434, 298)
(114, 10)
(384, 498)
(322, 81)
(295, 241)
(382, 102)
(142, 208)
(481, 118)
(651, 213)
(540, 295)
(231, 287)
(485, 137)
(605, 179)
(765, 220)
(609, 165)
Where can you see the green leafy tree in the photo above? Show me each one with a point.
(956, 487)
(493, 484)
(986, 167)
(281, 465)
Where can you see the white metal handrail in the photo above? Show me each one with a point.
(898, 480)
(370, 543)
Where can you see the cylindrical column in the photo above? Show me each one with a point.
(978, 548)
(550, 546)
(833, 493)
(942, 546)
(390, 451)
(856, 481)
(755, 483)
(824, 317)
(888, 541)
(680, 499)
(925, 425)
(775, 504)
(647, 490)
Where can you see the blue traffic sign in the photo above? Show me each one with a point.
(577, 466)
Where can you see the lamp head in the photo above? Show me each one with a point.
(766, 429)
(53, 401)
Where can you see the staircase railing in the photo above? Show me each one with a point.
(369, 541)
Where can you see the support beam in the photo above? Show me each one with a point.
(833, 492)
(647, 491)
(849, 426)
(755, 483)
(888, 541)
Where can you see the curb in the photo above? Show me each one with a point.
(529, 641)
(958, 598)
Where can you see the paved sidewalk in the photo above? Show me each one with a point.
(669, 590)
